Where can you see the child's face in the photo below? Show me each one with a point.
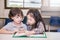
(17, 19)
(30, 19)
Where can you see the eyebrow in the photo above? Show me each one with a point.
(31, 15)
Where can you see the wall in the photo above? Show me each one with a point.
(46, 11)
(4, 12)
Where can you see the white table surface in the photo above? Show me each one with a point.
(50, 36)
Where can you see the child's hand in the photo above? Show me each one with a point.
(22, 30)
(15, 31)
(28, 33)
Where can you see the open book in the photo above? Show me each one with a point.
(23, 35)
(20, 35)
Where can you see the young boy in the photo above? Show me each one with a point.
(16, 25)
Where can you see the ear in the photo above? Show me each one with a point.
(12, 18)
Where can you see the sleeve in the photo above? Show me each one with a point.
(40, 28)
(7, 27)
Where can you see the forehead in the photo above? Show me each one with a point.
(18, 15)
(30, 14)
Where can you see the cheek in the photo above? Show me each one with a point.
(18, 20)
(15, 20)
(31, 21)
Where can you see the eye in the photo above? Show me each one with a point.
(20, 16)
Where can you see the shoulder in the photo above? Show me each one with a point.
(23, 24)
(40, 23)
(9, 24)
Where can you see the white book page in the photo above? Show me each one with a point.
(19, 34)
(38, 35)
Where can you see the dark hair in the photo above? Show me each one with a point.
(37, 17)
(15, 11)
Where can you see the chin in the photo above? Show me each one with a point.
(18, 22)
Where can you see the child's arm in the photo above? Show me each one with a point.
(40, 28)
(28, 33)
(4, 31)
(8, 29)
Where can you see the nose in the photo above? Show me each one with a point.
(20, 18)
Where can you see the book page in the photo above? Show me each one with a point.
(19, 34)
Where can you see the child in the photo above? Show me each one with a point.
(16, 25)
(35, 22)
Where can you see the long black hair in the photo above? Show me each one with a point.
(37, 17)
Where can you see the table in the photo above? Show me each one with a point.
(50, 36)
